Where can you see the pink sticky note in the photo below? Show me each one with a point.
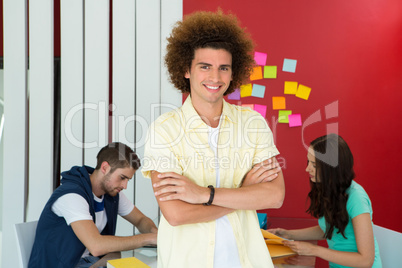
(234, 95)
(295, 120)
(262, 109)
(260, 58)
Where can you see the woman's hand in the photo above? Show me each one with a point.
(301, 248)
(301, 260)
(280, 232)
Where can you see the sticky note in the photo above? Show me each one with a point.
(127, 262)
(258, 91)
(251, 106)
(303, 92)
(290, 87)
(289, 65)
(256, 74)
(295, 120)
(278, 103)
(262, 109)
(235, 95)
(270, 71)
(283, 116)
(246, 90)
(260, 58)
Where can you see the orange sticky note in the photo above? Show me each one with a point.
(290, 87)
(246, 90)
(256, 74)
(278, 103)
(251, 106)
(303, 92)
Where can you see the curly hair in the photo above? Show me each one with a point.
(334, 170)
(208, 30)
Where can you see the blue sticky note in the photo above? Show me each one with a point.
(258, 91)
(289, 65)
(262, 219)
(235, 95)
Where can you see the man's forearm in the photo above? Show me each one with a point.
(178, 212)
(108, 243)
(98, 244)
(257, 196)
(146, 225)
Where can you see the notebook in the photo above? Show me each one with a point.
(126, 263)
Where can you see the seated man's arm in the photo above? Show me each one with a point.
(142, 222)
(75, 210)
(98, 244)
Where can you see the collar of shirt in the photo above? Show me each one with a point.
(99, 206)
(191, 115)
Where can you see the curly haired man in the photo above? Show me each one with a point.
(212, 164)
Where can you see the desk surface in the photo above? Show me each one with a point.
(149, 256)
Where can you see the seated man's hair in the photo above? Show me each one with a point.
(118, 155)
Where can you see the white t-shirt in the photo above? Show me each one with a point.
(73, 207)
(226, 252)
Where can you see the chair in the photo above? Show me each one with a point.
(390, 244)
(25, 233)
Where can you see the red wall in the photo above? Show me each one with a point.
(346, 51)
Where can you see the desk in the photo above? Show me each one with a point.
(149, 256)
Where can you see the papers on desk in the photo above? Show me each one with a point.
(275, 245)
(126, 263)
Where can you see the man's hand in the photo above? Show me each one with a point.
(262, 172)
(150, 239)
(177, 187)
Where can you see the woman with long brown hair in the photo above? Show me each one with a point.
(342, 207)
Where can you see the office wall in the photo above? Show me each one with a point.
(1, 147)
(349, 53)
(113, 85)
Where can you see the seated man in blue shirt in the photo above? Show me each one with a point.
(78, 223)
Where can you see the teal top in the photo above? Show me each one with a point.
(358, 203)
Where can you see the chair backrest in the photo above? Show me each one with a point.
(25, 233)
(390, 244)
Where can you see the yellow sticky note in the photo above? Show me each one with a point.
(278, 103)
(126, 263)
(246, 90)
(256, 74)
(283, 116)
(270, 71)
(290, 87)
(303, 92)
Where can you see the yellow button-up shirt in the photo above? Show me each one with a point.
(178, 142)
